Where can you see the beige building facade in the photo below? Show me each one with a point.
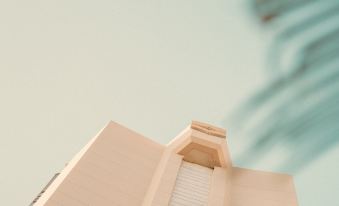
(120, 167)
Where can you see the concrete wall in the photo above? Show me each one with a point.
(122, 168)
(250, 187)
(116, 170)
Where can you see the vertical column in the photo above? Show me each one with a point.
(219, 191)
(160, 191)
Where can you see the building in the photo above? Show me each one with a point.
(123, 168)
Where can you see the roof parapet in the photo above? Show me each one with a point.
(208, 129)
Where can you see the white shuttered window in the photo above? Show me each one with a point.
(192, 185)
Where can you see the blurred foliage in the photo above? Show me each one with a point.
(298, 111)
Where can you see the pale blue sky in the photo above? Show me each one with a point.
(68, 67)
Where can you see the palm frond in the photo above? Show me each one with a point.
(299, 108)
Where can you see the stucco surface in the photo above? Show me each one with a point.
(122, 167)
(250, 187)
(115, 170)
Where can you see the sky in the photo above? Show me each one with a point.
(69, 67)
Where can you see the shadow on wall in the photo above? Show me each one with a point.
(298, 110)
